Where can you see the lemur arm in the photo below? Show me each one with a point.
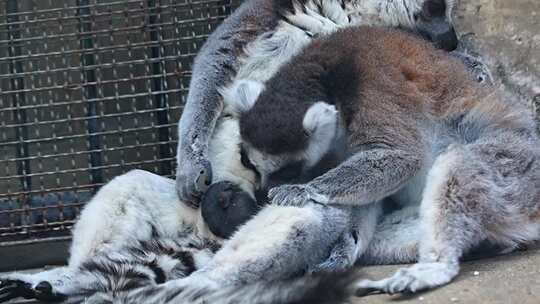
(213, 67)
(366, 177)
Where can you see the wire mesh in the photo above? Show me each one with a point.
(89, 89)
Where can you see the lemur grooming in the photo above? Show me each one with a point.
(418, 129)
(217, 63)
(262, 35)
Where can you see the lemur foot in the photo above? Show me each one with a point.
(43, 291)
(295, 195)
(418, 277)
(342, 256)
(192, 180)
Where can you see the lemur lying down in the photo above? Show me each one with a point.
(135, 233)
(417, 128)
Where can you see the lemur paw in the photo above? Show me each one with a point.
(193, 177)
(289, 195)
(318, 19)
(295, 195)
(418, 277)
(11, 289)
(341, 258)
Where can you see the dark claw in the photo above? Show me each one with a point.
(44, 292)
(203, 181)
(44, 287)
(11, 289)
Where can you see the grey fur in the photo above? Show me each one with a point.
(135, 266)
(214, 67)
(253, 43)
(470, 158)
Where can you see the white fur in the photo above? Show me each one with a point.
(122, 209)
(241, 95)
(264, 56)
(283, 220)
(224, 152)
(129, 203)
(320, 122)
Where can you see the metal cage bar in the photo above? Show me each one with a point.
(88, 90)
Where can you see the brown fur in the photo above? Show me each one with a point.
(371, 74)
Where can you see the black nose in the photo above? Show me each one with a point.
(447, 41)
(225, 207)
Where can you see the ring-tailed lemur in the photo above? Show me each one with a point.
(135, 233)
(259, 37)
(418, 129)
(291, 26)
(383, 249)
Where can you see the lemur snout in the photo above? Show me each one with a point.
(225, 207)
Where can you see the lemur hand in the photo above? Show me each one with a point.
(295, 195)
(193, 177)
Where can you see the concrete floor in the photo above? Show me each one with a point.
(509, 279)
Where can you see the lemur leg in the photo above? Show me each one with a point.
(130, 208)
(277, 243)
(485, 191)
(395, 240)
(353, 243)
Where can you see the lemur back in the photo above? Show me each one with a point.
(371, 74)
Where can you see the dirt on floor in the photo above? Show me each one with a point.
(507, 279)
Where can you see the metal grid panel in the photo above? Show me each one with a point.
(89, 89)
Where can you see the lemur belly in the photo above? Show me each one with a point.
(411, 193)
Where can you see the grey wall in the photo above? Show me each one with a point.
(507, 34)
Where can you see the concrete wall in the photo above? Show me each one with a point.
(507, 35)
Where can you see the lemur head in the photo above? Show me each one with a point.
(289, 141)
(230, 201)
(431, 18)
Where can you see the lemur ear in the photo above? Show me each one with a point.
(242, 94)
(319, 115)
